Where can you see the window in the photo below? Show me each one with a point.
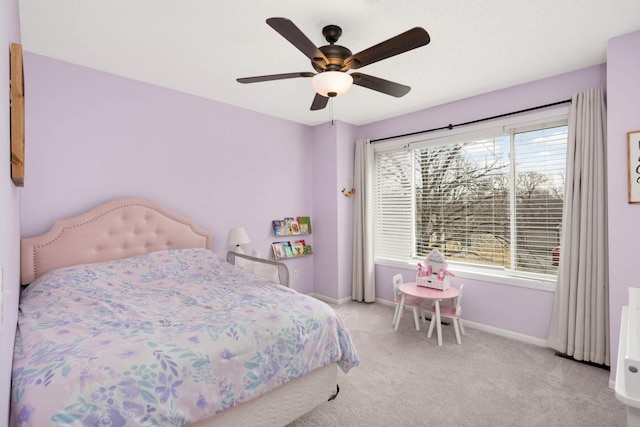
(490, 200)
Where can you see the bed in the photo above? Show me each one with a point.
(129, 318)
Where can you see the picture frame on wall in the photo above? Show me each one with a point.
(633, 153)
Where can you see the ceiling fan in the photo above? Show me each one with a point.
(333, 61)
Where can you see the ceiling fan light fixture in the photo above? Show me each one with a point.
(332, 61)
(332, 83)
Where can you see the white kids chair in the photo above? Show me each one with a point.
(413, 302)
(453, 312)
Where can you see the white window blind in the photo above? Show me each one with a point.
(393, 221)
(493, 201)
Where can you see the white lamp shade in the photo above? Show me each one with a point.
(237, 236)
(331, 82)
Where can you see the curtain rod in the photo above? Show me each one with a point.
(451, 126)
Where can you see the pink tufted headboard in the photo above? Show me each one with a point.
(117, 229)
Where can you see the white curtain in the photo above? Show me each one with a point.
(364, 286)
(580, 321)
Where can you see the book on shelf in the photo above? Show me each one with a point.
(278, 227)
(304, 223)
(298, 248)
(280, 249)
(286, 226)
(288, 250)
(294, 226)
(307, 250)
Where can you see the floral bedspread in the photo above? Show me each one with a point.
(165, 338)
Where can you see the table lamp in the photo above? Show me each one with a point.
(237, 236)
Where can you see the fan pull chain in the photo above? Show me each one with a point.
(331, 108)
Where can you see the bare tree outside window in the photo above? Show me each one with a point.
(493, 202)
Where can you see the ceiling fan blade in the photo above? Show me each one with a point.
(401, 43)
(257, 79)
(380, 85)
(289, 31)
(319, 102)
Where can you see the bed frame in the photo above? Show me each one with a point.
(264, 268)
(132, 226)
(117, 229)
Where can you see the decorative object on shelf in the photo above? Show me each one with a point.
(348, 193)
(17, 115)
(237, 236)
(633, 150)
(434, 273)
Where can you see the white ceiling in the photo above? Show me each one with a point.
(201, 46)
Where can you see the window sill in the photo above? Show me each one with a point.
(499, 277)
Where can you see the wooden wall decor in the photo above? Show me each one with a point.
(17, 115)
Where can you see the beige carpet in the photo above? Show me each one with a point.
(405, 379)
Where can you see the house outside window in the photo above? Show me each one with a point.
(490, 199)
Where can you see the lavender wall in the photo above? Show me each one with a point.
(540, 92)
(95, 136)
(333, 156)
(9, 215)
(623, 115)
(325, 225)
(520, 310)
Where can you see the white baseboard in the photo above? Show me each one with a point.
(479, 326)
(507, 334)
(385, 302)
(330, 300)
(490, 329)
